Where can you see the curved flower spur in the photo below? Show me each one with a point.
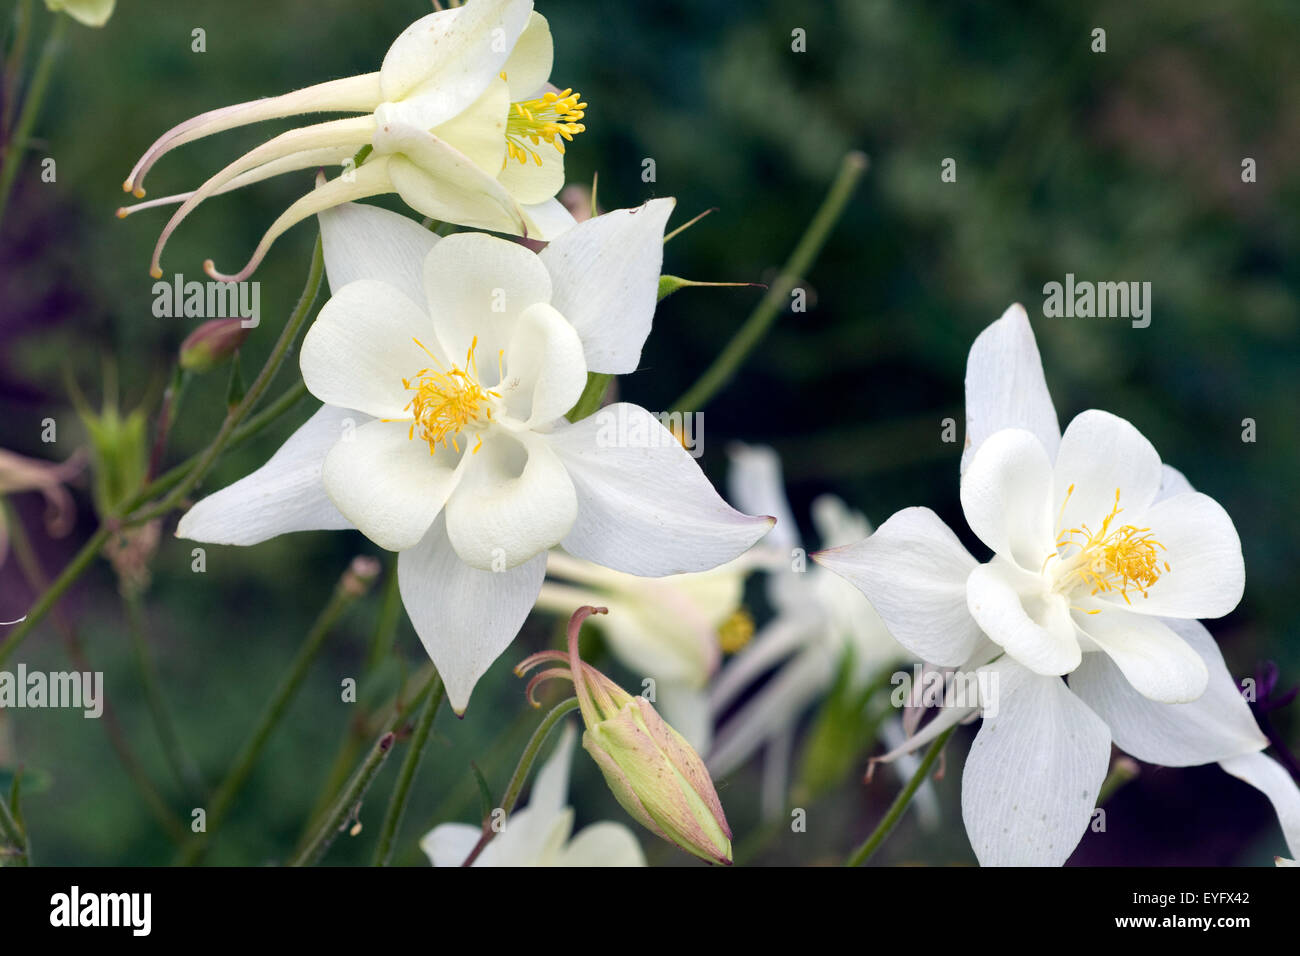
(446, 368)
(463, 123)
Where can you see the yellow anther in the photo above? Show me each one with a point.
(447, 401)
(1111, 560)
(551, 118)
(735, 632)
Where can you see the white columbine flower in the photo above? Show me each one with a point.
(539, 834)
(1103, 559)
(464, 123)
(446, 368)
(818, 620)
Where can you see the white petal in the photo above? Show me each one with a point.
(1172, 482)
(366, 242)
(477, 287)
(1206, 575)
(1270, 778)
(777, 640)
(836, 523)
(479, 131)
(913, 570)
(361, 347)
(1033, 773)
(446, 59)
(448, 844)
(465, 617)
(603, 844)
(1005, 387)
(514, 501)
(529, 65)
(436, 179)
(755, 486)
(606, 277)
(1101, 453)
(388, 485)
(546, 221)
(530, 183)
(1158, 663)
(1006, 494)
(775, 707)
(1213, 727)
(545, 368)
(1033, 627)
(286, 494)
(644, 506)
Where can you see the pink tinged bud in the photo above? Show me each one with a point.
(652, 771)
(660, 780)
(212, 344)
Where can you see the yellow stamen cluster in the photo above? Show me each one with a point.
(1112, 560)
(551, 119)
(736, 631)
(446, 401)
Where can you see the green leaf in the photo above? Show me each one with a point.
(486, 803)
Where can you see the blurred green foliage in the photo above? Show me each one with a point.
(1122, 166)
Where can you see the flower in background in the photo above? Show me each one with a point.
(91, 13)
(1103, 560)
(19, 473)
(463, 123)
(541, 834)
(669, 629)
(446, 367)
(652, 771)
(821, 623)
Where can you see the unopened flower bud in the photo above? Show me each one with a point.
(212, 343)
(652, 771)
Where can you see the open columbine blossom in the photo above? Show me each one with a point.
(1103, 559)
(539, 834)
(672, 629)
(819, 619)
(463, 121)
(446, 367)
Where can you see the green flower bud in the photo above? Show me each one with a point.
(652, 771)
(212, 343)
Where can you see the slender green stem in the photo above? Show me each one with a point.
(406, 777)
(778, 294)
(17, 144)
(257, 423)
(359, 724)
(349, 802)
(35, 575)
(363, 729)
(178, 759)
(897, 808)
(14, 64)
(390, 612)
(260, 384)
(50, 596)
(183, 483)
(13, 834)
(345, 594)
(526, 760)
